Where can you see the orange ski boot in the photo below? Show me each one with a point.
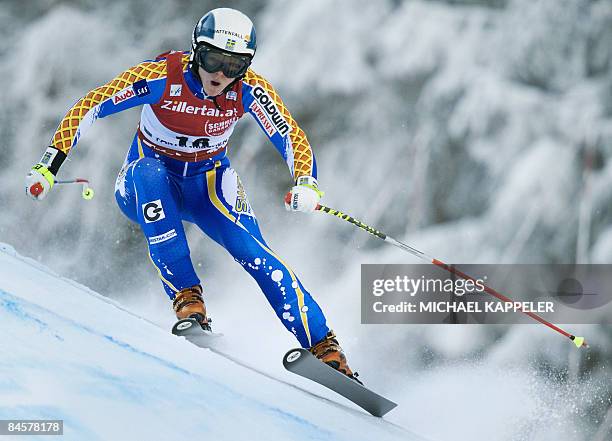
(329, 352)
(189, 303)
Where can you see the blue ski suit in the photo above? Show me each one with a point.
(177, 170)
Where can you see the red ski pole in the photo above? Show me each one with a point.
(578, 341)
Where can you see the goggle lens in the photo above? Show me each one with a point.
(231, 65)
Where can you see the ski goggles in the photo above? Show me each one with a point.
(213, 60)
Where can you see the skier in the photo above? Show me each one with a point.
(177, 169)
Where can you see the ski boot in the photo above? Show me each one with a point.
(189, 303)
(329, 352)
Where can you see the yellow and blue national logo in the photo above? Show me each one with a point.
(230, 44)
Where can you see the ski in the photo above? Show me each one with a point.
(298, 361)
(302, 362)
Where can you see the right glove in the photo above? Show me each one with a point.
(39, 182)
(41, 178)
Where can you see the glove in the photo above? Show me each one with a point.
(41, 178)
(304, 196)
(39, 182)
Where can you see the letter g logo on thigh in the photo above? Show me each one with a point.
(153, 211)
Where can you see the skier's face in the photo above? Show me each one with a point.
(213, 83)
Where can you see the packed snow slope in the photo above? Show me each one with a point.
(71, 354)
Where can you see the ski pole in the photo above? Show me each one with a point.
(87, 193)
(578, 341)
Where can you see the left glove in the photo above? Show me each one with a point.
(304, 196)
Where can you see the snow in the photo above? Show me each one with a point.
(71, 354)
(602, 251)
(459, 127)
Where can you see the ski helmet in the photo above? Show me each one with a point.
(225, 29)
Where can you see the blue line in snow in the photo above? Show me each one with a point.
(11, 305)
(15, 306)
(146, 354)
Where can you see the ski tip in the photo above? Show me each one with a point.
(183, 325)
(292, 355)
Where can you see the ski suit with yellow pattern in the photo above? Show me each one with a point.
(177, 170)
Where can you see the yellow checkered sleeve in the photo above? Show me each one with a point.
(77, 118)
(303, 158)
